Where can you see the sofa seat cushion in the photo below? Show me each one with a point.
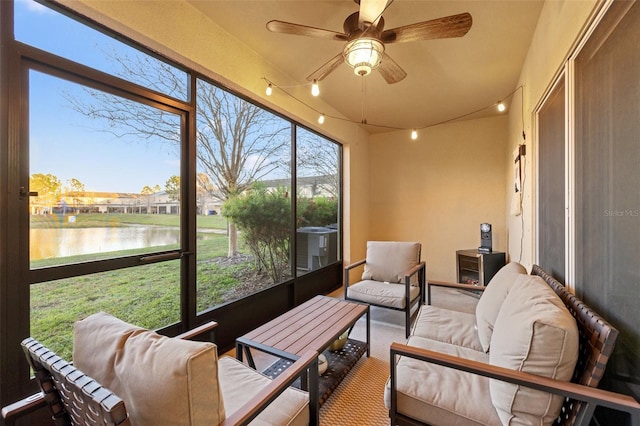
(535, 333)
(492, 298)
(390, 260)
(161, 380)
(439, 395)
(448, 326)
(381, 293)
(239, 384)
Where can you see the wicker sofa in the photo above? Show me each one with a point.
(510, 363)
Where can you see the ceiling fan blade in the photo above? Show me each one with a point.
(371, 10)
(390, 70)
(304, 30)
(327, 68)
(447, 27)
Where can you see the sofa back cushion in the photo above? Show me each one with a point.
(162, 380)
(491, 300)
(535, 333)
(390, 260)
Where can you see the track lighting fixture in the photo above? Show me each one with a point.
(315, 89)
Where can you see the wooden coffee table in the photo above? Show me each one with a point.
(313, 325)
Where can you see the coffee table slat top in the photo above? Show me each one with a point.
(306, 317)
(339, 321)
(312, 325)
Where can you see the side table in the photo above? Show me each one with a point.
(474, 267)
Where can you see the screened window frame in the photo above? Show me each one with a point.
(60, 67)
(19, 56)
(87, 77)
(560, 82)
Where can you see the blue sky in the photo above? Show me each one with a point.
(66, 143)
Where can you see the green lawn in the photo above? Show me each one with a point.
(148, 296)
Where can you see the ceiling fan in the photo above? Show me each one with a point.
(366, 37)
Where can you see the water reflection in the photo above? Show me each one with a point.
(51, 243)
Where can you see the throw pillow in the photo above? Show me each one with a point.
(534, 333)
(492, 297)
(162, 380)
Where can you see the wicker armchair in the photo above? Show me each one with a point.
(75, 398)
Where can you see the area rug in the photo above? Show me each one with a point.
(359, 399)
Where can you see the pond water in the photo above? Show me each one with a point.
(50, 243)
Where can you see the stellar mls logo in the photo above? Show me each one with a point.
(622, 213)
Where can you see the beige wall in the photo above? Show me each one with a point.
(559, 27)
(356, 200)
(181, 32)
(439, 188)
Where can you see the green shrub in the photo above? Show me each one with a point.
(319, 211)
(264, 219)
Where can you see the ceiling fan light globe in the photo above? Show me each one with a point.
(363, 55)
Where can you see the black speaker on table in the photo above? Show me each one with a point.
(485, 238)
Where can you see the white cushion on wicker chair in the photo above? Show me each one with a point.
(438, 395)
(170, 381)
(239, 384)
(162, 380)
(492, 298)
(534, 333)
(448, 326)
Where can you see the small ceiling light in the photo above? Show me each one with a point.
(321, 119)
(414, 134)
(363, 55)
(315, 89)
(269, 90)
(501, 106)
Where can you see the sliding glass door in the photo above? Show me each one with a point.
(552, 182)
(88, 207)
(588, 203)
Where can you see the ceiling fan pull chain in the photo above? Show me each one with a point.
(362, 99)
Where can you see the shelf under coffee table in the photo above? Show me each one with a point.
(313, 325)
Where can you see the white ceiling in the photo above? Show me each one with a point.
(447, 78)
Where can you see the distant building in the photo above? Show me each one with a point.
(308, 186)
(120, 202)
(163, 203)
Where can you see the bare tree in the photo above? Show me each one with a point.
(317, 161)
(238, 142)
